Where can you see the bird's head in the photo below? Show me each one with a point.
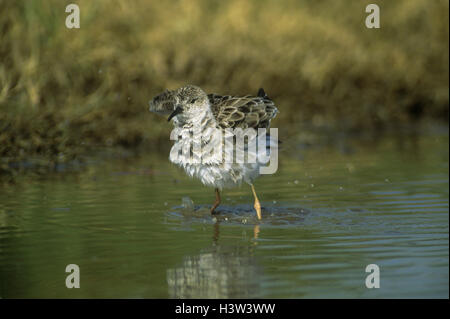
(190, 101)
(182, 104)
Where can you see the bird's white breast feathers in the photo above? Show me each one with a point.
(202, 154)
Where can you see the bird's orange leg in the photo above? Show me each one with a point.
(257, 204)
(217, 202)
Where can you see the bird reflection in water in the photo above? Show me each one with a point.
(219, 271)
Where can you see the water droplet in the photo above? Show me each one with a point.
(187, 203)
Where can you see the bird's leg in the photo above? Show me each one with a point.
(256, 231)
(217, 202)
(257, 204)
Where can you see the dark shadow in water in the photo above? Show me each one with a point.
(219, 271)
(242, 214)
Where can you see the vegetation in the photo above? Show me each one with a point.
(65, 91)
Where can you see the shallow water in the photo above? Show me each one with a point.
(328, 213)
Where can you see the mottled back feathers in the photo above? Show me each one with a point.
(229, 111)
(243, 112)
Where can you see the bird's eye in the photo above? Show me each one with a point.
(193, 101)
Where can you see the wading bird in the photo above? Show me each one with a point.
(192, 110)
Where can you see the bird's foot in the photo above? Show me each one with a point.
(258, 209)
(213, 212)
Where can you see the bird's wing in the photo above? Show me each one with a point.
(243, 112)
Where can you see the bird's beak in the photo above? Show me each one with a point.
(177, 111)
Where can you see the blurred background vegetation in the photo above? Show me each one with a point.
(67, 91)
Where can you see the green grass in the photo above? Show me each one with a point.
(64, 91)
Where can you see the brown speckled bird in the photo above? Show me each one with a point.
(191, 108)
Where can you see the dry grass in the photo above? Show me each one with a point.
(62, 90)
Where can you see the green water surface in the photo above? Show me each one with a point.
(329, 211)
